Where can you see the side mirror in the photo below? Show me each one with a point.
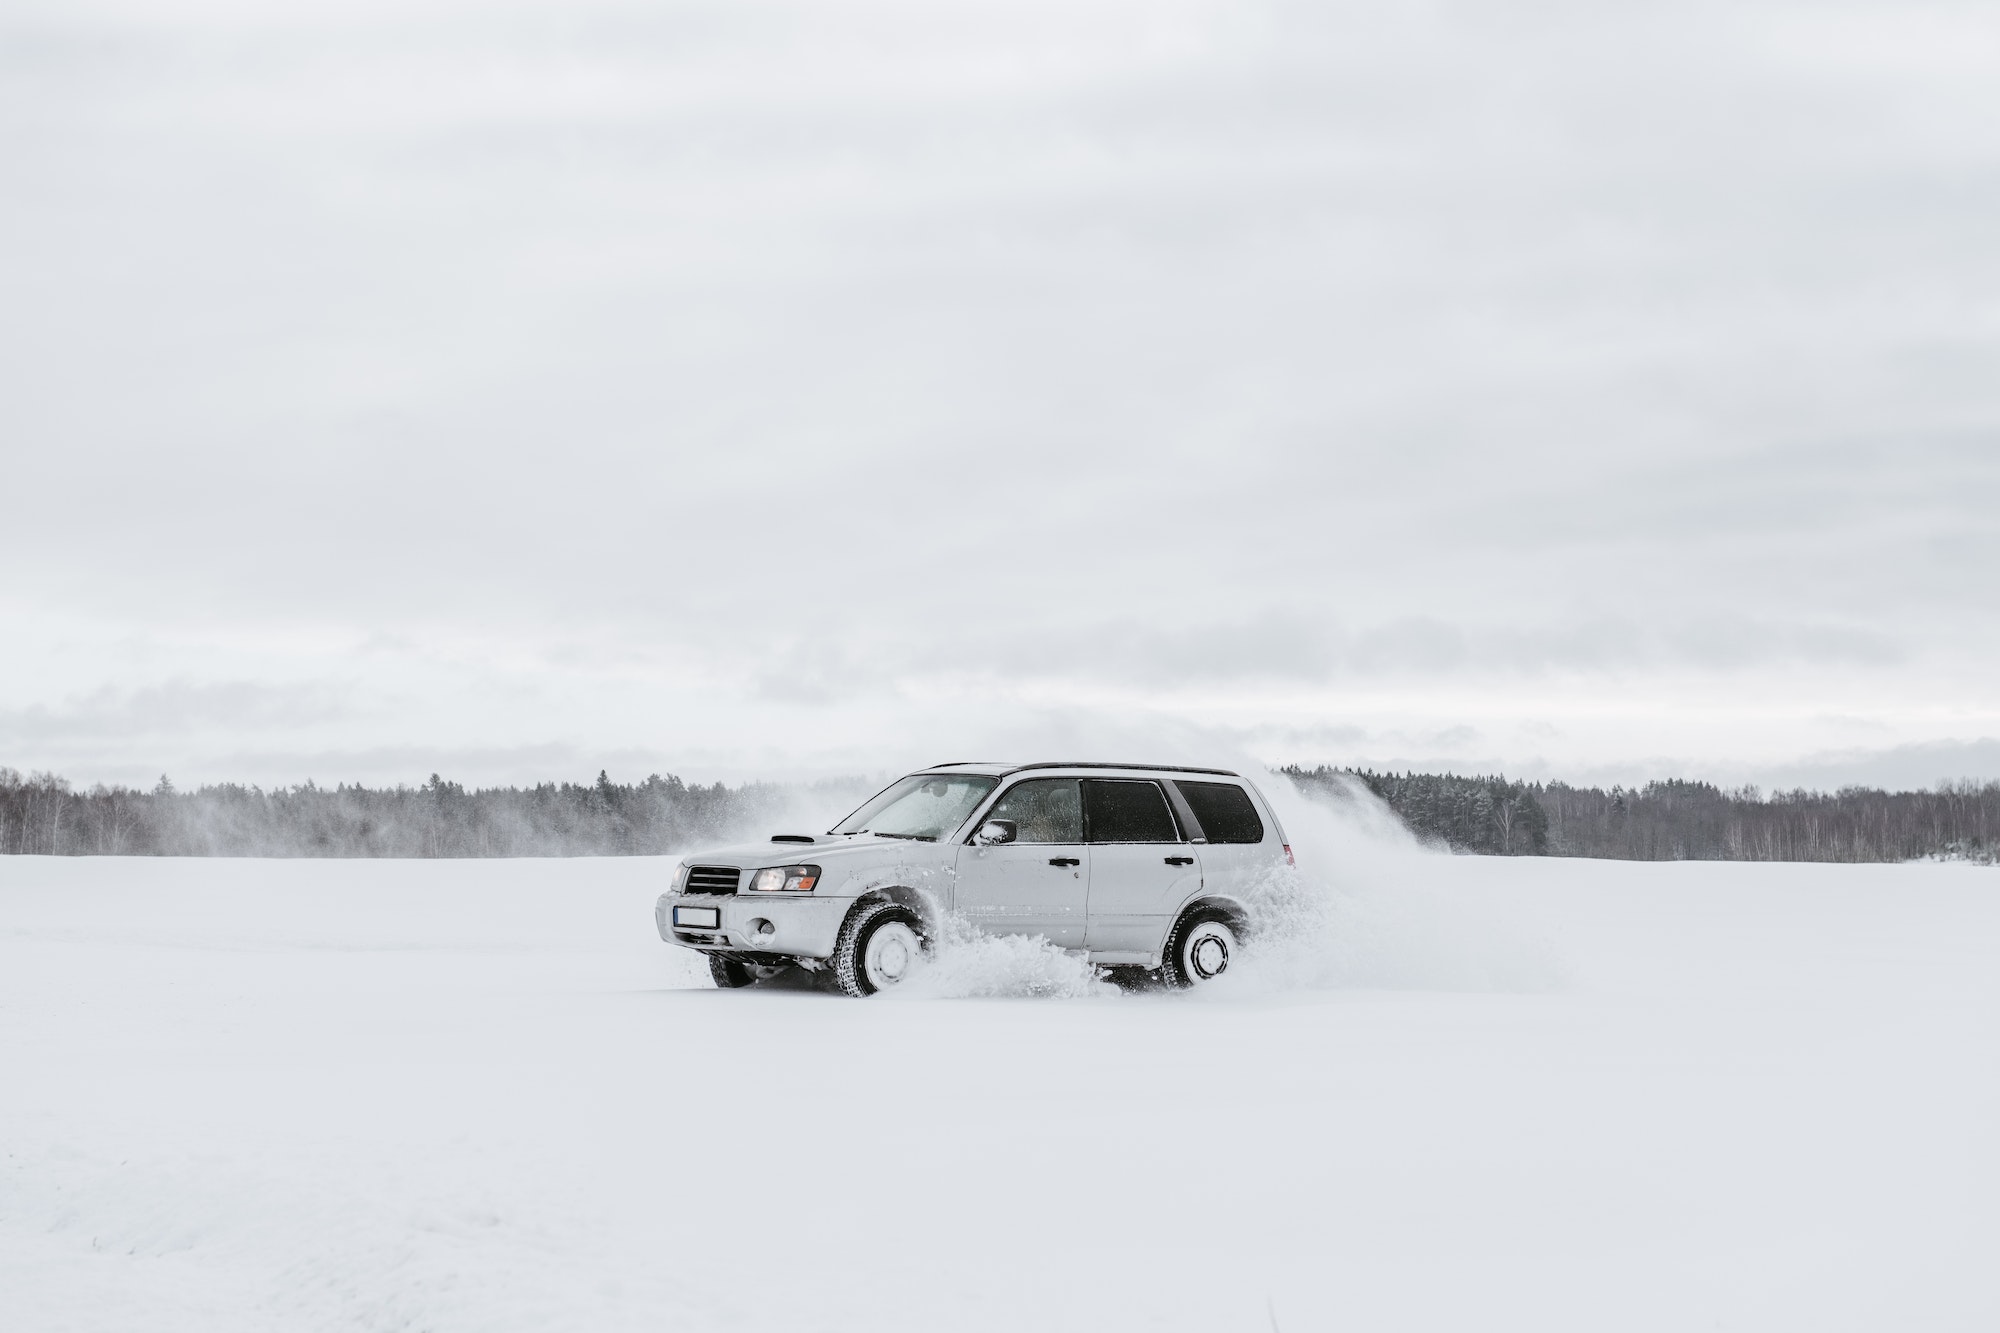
(994, 832)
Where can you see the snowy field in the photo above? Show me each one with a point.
(1536, 1095)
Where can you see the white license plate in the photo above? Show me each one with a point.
(700, 918)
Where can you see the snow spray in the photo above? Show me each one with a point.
(1366, 907)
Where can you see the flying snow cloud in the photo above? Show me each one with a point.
(1366, 907)
(763, 388)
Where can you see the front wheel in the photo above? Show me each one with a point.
(879, 946)
(1200, 949)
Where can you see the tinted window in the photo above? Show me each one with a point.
(1043, 810)
(1224, 811)
(1117, 811)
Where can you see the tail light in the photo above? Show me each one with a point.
(1288, 855)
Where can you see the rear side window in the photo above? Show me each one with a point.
(1224, 811)
(1043, 810)
(1127, 811)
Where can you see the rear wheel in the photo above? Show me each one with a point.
(879, 946)
(1200, 949)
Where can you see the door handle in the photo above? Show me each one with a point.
(1064, 861)
(1180, 860)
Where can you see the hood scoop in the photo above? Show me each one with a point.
(792, 837)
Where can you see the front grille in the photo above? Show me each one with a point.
(712, 879)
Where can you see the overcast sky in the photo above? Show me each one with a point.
(749, 388)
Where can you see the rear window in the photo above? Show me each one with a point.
(1224, 811)
(1117, 811)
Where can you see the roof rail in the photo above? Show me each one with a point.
(1144, 768)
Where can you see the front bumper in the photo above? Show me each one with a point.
(799, 925)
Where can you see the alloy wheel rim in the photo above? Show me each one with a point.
(892, 951)
(1208, 948)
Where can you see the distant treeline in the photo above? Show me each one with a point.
(1673, 820)
(1677, 820)
(43, 814)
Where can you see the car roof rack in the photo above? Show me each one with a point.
(1143, 768)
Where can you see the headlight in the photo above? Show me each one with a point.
(680, 878)
(785, 879)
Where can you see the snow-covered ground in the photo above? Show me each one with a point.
(1537, 1095)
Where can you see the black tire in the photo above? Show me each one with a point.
(1182, 967)
(728, 973)
(850, 971)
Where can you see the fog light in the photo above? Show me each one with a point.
(761, 930)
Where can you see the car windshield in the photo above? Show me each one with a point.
(922, 805)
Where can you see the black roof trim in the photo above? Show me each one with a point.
(1140, 768)
(1143, 768)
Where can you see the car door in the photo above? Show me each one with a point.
(1238, 848)
(1038, 883)
(1141, 868)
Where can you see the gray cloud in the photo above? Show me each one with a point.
(621, 377)
(175, 709)
(1899, 768)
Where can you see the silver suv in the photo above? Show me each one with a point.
(1133, 865)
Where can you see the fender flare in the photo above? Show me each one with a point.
(923, 904)
(1233, 909)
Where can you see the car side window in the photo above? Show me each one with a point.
(1127, 810)
(1043, 810)
(1224, 811)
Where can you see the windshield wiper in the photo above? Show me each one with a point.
(906, 837)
